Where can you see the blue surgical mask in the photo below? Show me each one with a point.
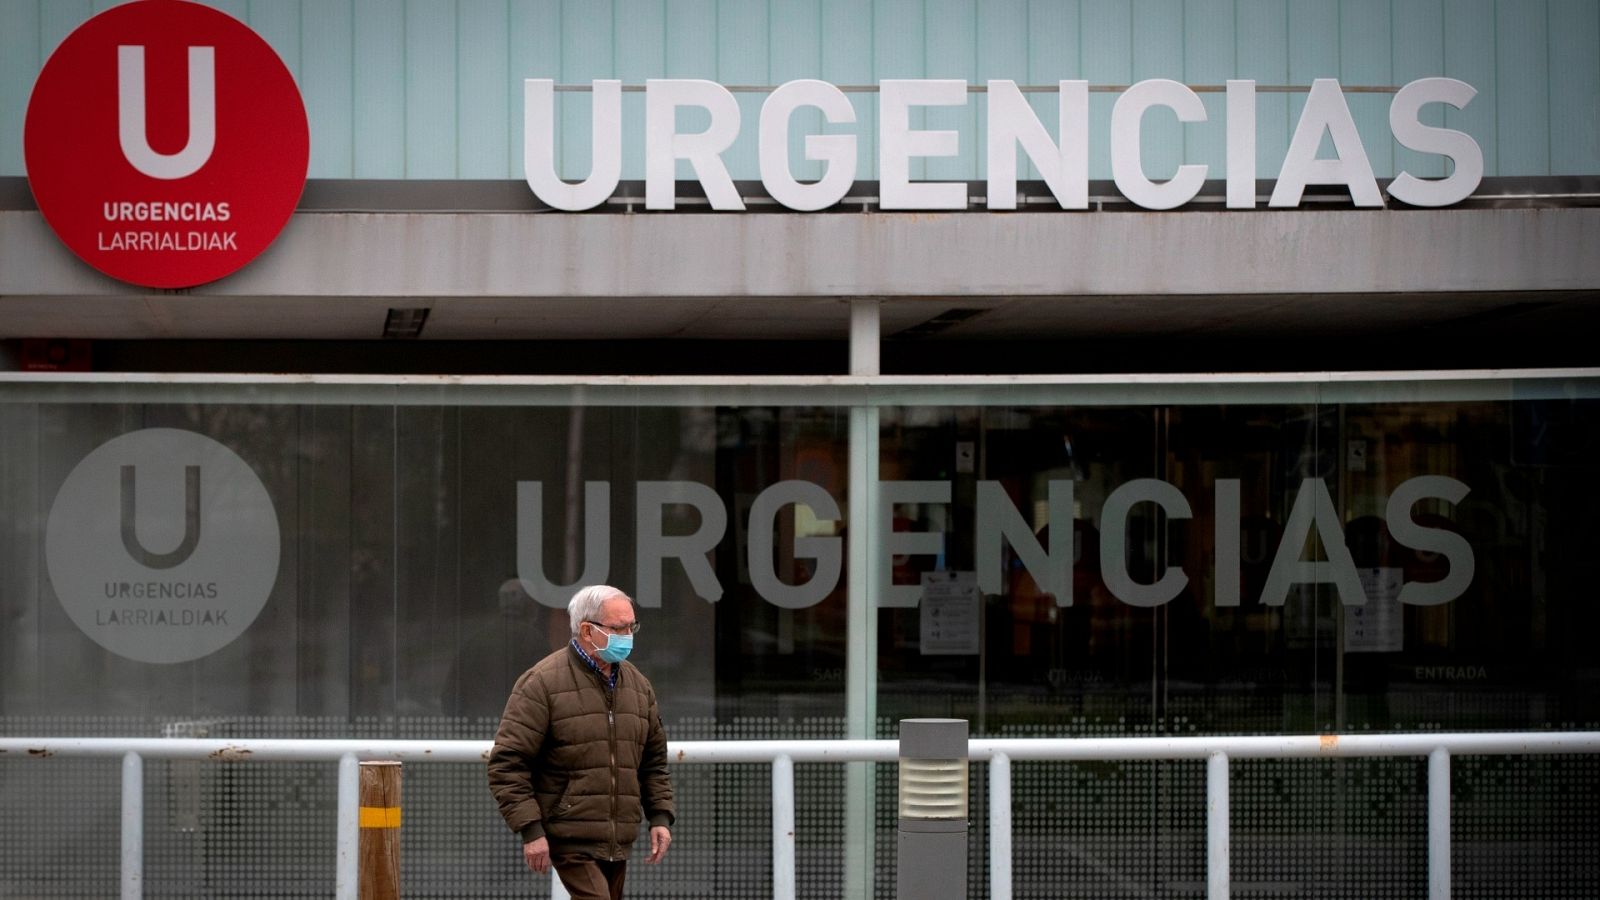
(617, 647)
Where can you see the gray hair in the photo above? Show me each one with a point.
(585, 604)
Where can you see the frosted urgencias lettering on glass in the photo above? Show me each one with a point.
(130, 520)
(162, 545)
(997, 523)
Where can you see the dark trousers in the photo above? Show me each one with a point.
(592, 879)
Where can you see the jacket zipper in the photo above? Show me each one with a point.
(611, 737)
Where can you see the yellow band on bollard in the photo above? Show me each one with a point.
(380, 817)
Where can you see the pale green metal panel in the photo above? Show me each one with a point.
(850, 27)
(57, 18)
(378, 90)
(1365, 57)
(1054, 55)
(1209, 58)
(432, 64)
(20, 60)
(694, 50)
(1419, 53)
(279, 23)
(950, 48)
(1157, 36)
(691, 30)
(432, 88)
(239, 9)
(1002, 52)
(1522, 77)
(1261, 38)
(1313, 53)
(1106, 43)
(534, 39)
(587, 53)
(1574, 86)
(327, 60)
(897, 31)
(795, 51)
(742, 54)
(897, 50)
(483, 139)
(1469, 55)
(641, 54)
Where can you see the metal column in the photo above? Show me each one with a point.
(864, 553)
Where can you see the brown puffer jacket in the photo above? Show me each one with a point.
(576, 764)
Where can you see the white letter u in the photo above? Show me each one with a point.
(131, 127)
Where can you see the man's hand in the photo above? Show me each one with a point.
(660, 840)
(537, 855)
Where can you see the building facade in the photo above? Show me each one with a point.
(1269, 461)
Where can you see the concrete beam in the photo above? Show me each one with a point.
(889, 255)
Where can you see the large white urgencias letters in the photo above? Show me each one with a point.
(1241, 144)
(837, 150)
(1127, 165)
(1064, 166)
(1011, 126)
(664, 145)
(898, 142)
(1325, 110)
(997, 523)
(539, 155)
(1406, 123)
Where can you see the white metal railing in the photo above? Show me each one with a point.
(1217, 752)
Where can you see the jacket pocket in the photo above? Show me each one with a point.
(630, 809)
(562, 803)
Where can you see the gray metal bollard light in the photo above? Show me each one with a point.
(932, 855)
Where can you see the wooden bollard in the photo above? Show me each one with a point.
(379, 872)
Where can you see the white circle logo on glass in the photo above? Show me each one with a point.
(162, 545)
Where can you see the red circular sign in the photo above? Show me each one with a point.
(166, 143)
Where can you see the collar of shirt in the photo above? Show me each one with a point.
(611, 683)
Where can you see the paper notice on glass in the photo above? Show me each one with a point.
(1379, 626)
(950, 610)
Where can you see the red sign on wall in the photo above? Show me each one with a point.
(166, 143)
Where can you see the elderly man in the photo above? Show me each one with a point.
(581, 757)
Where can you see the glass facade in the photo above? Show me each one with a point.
(1259, 557)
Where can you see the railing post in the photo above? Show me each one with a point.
(1439, 824)
(783, 886)
(379, 870)
(132, 827)
(1217, 837)
(558, 891)
(349, 828)
(1000, 827)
